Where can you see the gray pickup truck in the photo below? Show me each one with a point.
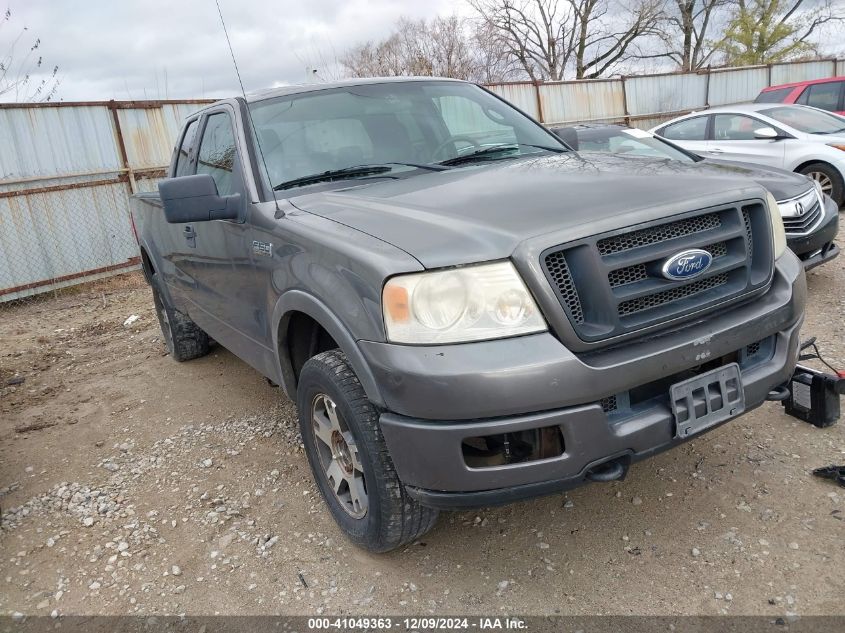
(466, 311)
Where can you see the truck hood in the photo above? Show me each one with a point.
(783, 184)
(483, 212)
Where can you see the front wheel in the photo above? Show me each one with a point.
(350, 461)
(829, 179)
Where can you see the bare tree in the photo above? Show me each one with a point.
(550, 37)
(766, 31)
(441, 47)
(688, 27)
(24, 78)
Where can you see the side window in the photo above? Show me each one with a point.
(824, 96)
(183, 166)
(735, 127)
(694, 129)
(216, 155)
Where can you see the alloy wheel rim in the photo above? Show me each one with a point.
(824, 181)
(338, 455)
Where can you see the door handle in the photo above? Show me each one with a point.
(717, 150)
(190, 236)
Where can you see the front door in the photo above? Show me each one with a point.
(218, 256)
(733, 139)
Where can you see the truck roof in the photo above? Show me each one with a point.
(283, 91)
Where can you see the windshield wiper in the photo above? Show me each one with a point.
(496, 149)
(356, 171)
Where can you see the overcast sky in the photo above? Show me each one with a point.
(122, 49)
(156, 49)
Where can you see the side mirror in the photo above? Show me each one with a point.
(567, 135)
(195, 199)
(766, 133)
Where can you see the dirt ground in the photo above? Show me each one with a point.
(130, 483)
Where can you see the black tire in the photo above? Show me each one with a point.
(391, 518)
(184, 339)
(822, 171)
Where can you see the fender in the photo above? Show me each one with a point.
(300, 301)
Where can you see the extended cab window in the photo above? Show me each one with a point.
(216, 155)
(183, 164)
(694, 129)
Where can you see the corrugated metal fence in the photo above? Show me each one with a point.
(66, 173)
(67, 169)
(646, 100)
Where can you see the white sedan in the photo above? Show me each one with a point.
(798, 138)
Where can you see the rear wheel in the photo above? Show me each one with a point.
(828, 178)
(184, 339)
(350, 461)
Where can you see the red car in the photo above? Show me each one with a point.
(826, 94)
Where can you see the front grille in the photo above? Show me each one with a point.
(805, 223)
(557, 268)
(612, 284)
(667, 296)
(661, 233)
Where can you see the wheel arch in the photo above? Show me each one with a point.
(295, 305)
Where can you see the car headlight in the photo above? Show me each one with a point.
(778, 233)
(459, 305)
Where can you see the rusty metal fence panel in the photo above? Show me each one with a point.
(66, 174)
(590, 100)
(736, 85)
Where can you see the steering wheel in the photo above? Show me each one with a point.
(452, 140)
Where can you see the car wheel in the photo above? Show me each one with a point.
(828, 178)
(350, 461)
(184, 339)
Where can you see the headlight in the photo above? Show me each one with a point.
(459, 305)
(778, 233)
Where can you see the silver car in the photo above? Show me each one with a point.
(797, 138)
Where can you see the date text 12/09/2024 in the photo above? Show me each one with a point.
(480, 623)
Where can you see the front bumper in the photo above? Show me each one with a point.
(818, 247)
(439, 396)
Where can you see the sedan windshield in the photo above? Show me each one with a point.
(807, 120)
(631, 142)
(405, 126)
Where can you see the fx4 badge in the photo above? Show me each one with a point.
(264, 249)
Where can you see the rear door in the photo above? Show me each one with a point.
(175, 252)
(691, 133)
(733, 138)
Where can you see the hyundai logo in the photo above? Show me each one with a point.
(687, 264)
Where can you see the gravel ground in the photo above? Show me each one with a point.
(130, 483)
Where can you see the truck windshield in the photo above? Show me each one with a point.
(405, 125)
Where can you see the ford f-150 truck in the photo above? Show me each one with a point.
(465, 310)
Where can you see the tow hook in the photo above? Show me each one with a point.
(607, 471)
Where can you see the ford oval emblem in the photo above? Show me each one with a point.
(687, 264)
